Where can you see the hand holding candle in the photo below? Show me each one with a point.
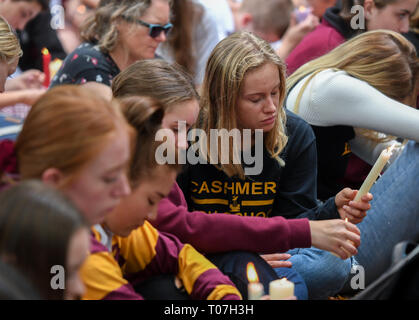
(375, 172)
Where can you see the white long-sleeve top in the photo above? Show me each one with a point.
(336, 98)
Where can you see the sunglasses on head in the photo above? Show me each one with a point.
(154, 29)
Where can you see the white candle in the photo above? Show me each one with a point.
(281, 289)
(255, 291)
(375, 172)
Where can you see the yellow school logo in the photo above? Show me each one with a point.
(347, 149)
(235, 207)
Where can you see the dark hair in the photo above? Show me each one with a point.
(36, 226)
(186, 16)
(14, 285)
(145, 114)
(43, 3)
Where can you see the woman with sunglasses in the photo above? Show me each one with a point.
(118, 34)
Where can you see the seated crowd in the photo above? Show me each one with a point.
(179, 141)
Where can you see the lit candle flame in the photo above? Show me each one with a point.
(252, 275)
(301, 8)
(44, 51)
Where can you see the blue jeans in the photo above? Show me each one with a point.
(300, 287)
(394, 213)
(234, 263)
(323, 273)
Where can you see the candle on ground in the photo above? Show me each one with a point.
(46, 59)
(254, 289)
(281, 289)
(375, 172)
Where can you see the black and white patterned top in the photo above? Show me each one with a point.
(86, 63)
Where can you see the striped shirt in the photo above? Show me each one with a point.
(117, 264)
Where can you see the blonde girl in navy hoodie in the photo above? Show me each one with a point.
(244, 88)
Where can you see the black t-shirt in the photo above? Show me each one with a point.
(86, 63)
(37, 35)
(288, 191)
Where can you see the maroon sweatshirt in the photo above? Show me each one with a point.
(316, 44)
(219, 232)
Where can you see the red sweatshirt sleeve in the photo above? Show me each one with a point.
(217, 232)
(317, 43)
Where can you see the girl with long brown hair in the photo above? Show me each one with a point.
(192, 39)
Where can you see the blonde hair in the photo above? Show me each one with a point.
(101, 27)
(9, 44)
(65, 129)
(227, 67)
(382, 58)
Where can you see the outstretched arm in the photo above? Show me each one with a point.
(221, 232)
(327, 102)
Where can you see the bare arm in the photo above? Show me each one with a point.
(327, 102)
(27, 96)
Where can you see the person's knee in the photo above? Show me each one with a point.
(324, 274)
(332, 281)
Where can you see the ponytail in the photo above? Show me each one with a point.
(145, 114)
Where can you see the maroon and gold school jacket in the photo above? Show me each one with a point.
(117, 264)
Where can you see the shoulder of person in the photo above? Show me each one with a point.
(325, 80)
(87, 50)
(300, 136)
(315, 44)
(323, 37)
(297, 126)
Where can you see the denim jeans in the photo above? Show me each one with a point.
(323, 273)
(394, 213)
